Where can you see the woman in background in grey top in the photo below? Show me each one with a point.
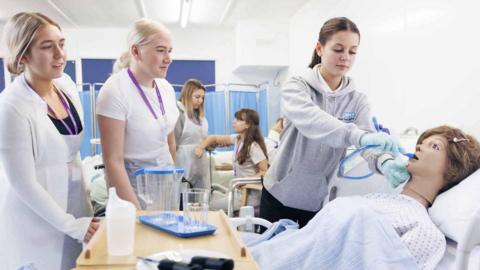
(323, 115)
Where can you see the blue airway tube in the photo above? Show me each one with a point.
(345, 159)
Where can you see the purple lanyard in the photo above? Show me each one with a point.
(69, 112)
(142, 94)
(66, 107)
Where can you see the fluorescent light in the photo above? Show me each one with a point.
(227, 10)
(185, 8)
(54, 6)
(141, 7)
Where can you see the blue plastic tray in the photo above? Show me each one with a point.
(176, 228)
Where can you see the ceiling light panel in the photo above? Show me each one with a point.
(165, 11)
(105, 13)
(207, 12)
(10, 8)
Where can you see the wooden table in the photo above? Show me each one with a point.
(149, 240)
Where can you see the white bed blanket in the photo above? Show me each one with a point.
(346, 234)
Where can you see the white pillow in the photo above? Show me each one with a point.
(452, 210)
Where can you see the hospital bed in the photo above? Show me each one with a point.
(459, 256)
(463, 244)
(455, 212)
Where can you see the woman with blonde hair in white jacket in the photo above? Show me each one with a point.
(45, 214)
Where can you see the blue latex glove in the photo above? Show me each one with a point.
(384, 141)
(379, 127)
(395, 170)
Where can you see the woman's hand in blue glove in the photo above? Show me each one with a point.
(395, 170)
(384, 142)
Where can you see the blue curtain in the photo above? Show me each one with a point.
(262, 111)
(239, 100)
(215, 112)
(87, 131)
(86, 148)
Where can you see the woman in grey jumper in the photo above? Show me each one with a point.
(324, 114)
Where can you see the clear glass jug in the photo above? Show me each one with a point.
(158, 188)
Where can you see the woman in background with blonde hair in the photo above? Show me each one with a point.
(136, 109)
(46, 213)
(191, 130)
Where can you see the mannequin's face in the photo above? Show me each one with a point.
(431, 158)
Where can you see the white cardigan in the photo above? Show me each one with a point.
(38, 170)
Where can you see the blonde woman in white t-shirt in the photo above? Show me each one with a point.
(137, 110)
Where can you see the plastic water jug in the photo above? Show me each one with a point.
(120, 217)
(159, 188)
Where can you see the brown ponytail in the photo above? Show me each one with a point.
(328, 29)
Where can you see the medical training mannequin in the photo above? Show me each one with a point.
(46, 213)
(444, 157)
(323, 115)
(191, 129)
(136, 109)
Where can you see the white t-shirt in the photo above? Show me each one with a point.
(145, 136)
(327, 87)
(248, 168)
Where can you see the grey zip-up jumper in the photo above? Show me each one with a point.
(319, 126)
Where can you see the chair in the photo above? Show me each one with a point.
(237, 183)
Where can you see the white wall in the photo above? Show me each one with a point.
(418, 60)
(262, 55)
(190, 43)
(262, 43)
(193, 43)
